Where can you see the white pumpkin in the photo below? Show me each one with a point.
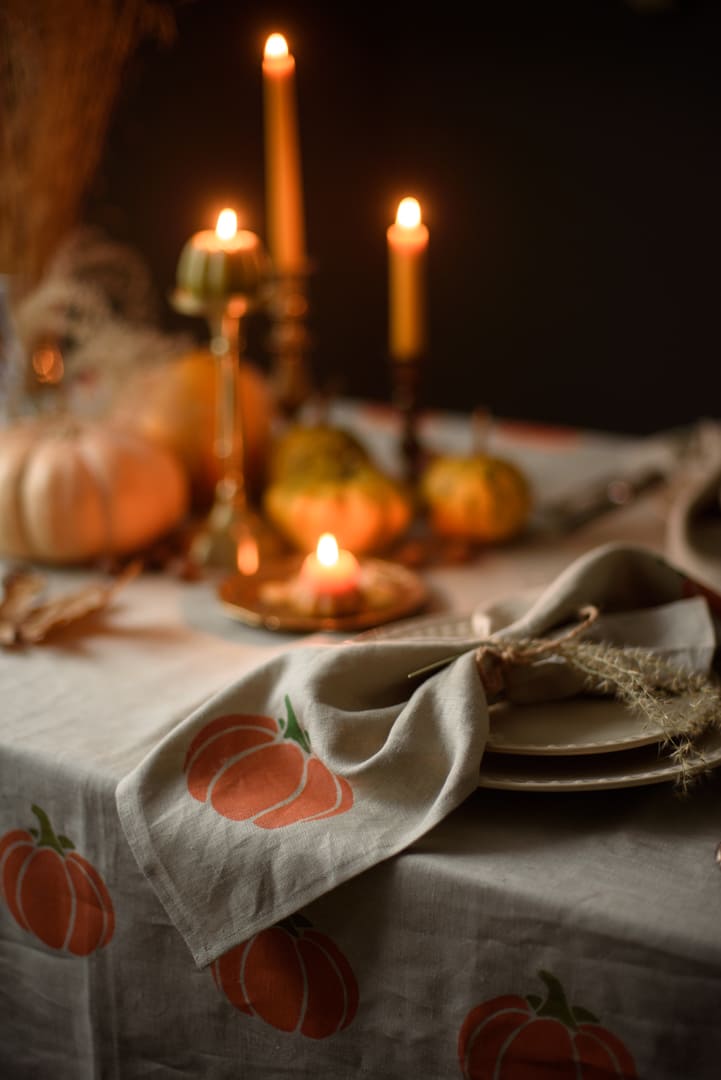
(72, 491)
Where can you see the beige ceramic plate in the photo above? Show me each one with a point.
(629, 768)
(393, 593)
(577, 726)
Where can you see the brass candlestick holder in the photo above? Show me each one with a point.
(406, 379)
(289, 342)
(233, 536)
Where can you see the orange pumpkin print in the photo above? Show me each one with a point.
(292, 977)
(52, 892)
(515, 1038)
(255, 768)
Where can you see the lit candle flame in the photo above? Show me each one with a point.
(327, 550)
(227, 225)
(276, 45)
(47, 364)
(247, 556)
(408, 214)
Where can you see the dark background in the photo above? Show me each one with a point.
(566, 153)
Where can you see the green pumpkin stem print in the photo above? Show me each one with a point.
(504, 1035)
(254, 768)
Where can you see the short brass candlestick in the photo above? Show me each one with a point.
(289, 341)
(406, 375)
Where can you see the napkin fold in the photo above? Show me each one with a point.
(644, 602)
(317, 765)
(693, 530)
(328, 759)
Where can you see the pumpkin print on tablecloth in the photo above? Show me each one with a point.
(263, 770)
(515, 1038)
(52, 892)
(291, 976)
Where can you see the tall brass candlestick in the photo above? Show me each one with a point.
(289, 341)
(406, 380)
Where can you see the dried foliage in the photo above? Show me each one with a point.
(26, 620)
(62, 64)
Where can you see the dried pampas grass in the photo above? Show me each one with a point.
(96, 305)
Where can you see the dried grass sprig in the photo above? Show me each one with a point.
(645, 682)
(61, 68)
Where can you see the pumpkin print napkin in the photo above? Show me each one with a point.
(329, 759)
(317, 765)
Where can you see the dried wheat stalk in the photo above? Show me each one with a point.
(62, 63)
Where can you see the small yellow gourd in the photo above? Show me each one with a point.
(477, 497)
(305, 449)
(364, 509)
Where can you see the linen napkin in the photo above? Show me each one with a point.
(693, 531)
(329, 759)
(644, 602)
(312, 768)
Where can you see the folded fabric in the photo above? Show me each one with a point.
(321, 763)
(329, 759)
(644, 602)
(693, 530)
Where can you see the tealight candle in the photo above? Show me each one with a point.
(217, 264)
(283, 182)
(407, 245)
(330, 571)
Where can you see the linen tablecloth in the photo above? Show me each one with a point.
(607, 900)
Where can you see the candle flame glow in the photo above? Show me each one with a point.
(327, 550)
(409, 213)
(247, 556)
(276, 45)
(47, 364)
(227, 225)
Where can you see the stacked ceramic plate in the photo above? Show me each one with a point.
(580, 744)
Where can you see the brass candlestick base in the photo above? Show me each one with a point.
(233, 537)
(406, 396)
(289, 342)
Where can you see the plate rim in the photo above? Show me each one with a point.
(666, 772)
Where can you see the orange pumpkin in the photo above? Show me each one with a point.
(174, 404)
(503, 1036)
(74, 490)
(255, 768)
(54, 893)
(292, 977)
